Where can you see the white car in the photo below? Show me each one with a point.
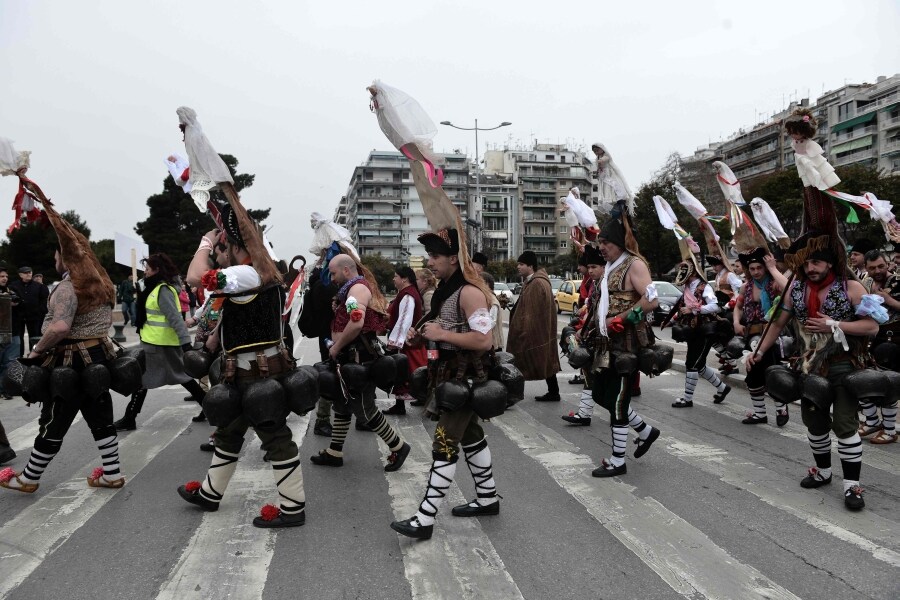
(503, 289)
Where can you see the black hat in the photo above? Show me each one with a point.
(582, 260)
(813, 245)
(714, 260)
(444, 242)
(614, 231)
(592, 256)
(758, 255)
(480, 259)
(24, 269)
(528, 258)
(862, 246)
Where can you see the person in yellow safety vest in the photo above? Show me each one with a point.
(164, 337)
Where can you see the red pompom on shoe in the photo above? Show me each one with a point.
(571, 413)
(192, 486)
(269, 512)
(356, 315)
(97, 473)
(7, 474)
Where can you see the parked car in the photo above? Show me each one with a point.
(567, 295)
(668, 295)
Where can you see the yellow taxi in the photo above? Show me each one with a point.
(567, 295)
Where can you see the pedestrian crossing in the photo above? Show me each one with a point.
(679, 553)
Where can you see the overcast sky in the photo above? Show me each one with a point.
(92, 87)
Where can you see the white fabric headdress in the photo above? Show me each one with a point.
(328, 232)
(207, 167)
(10, 160)
(608, 172)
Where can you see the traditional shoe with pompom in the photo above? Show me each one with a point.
(272, 517)
(191, 492)
(99, 480)
(9, 479)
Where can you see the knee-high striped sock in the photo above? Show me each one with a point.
(889, 418)
(637, 423)
(478, 457)
(439, 479)
(690, 384)
(338, 434)
(620, 444)
(289, 481)
(43, 452)
(758, 398)
(870, 412)
(109, 454)
(586, 404)
(219, 474)
(387, 433)
(710, 375)
(850, 451)
(821, 449)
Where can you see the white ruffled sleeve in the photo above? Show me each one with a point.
(481, 321)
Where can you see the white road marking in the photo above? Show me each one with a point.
(22, 438)
(25, 541)
(459, 561)
(227, 557)
(656, 535)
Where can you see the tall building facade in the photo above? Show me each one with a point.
(383, 210)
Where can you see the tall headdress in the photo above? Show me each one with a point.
(768, 222)
(410, 130)
(609, 174)
(209, 171)
(747, 237)
(92, 284)
(686, 244)
(699, 212)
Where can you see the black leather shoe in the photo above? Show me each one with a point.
(644, 445)
(196, 499)
(6, 454)
(125, 424)
(199, 418)
(411, 528)
(209, 446)
(577, 380)
(548, 397)
(813, 480)
(396, 459)
(322, 428)
(189, 399)
(853, 498)
(417, 403)
(397, 409)
(576, 420)
(782, 416)
(754, 420)
(282, 520)
(467, 510)
(608, 470)
(360, 426)
(682, 403)
(327, 460)
(719, 397)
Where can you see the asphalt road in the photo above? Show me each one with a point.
(714, 510)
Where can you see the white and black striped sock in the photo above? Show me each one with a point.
(821, 449)
(758, 398)
(690, 384)
(850, 452)
(289, 481)
(586, 404)
(109, 454)
(439, 479)
(889, 418)
(220, 471)
(710, 375)
(637, 423)
(37, 463)
(339, 434)
(870, 412)
(620, 444)
(384, 430)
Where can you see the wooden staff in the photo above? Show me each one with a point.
(252, 237)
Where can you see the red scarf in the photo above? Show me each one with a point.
(813, 305)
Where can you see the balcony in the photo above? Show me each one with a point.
(863, 154)
(380, 197)
(379, 242)
(857, 132)
(881, 102)
(891, 146)
(763, 168)
(890, 123)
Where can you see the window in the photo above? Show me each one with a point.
(368, 175)
(564, 244)
(563, 228)
(562, 159)
(548, 157)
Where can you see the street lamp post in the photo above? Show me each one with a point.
(476, 129)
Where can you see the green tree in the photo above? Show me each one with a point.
(105, 252)
(503, 270)
(382, 269)
(174, 225)
(33, 245)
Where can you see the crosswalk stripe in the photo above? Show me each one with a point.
(459, 561)
(25, 542)
(22, 438)
(873, 456)
(207, 566)
(656, 535)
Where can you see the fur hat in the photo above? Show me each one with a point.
(592, 256)
(480, 259)
(444, 241)
(756, 256)
(528, 258)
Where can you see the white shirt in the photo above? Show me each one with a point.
(397, 336)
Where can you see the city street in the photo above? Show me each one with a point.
(714, 510)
